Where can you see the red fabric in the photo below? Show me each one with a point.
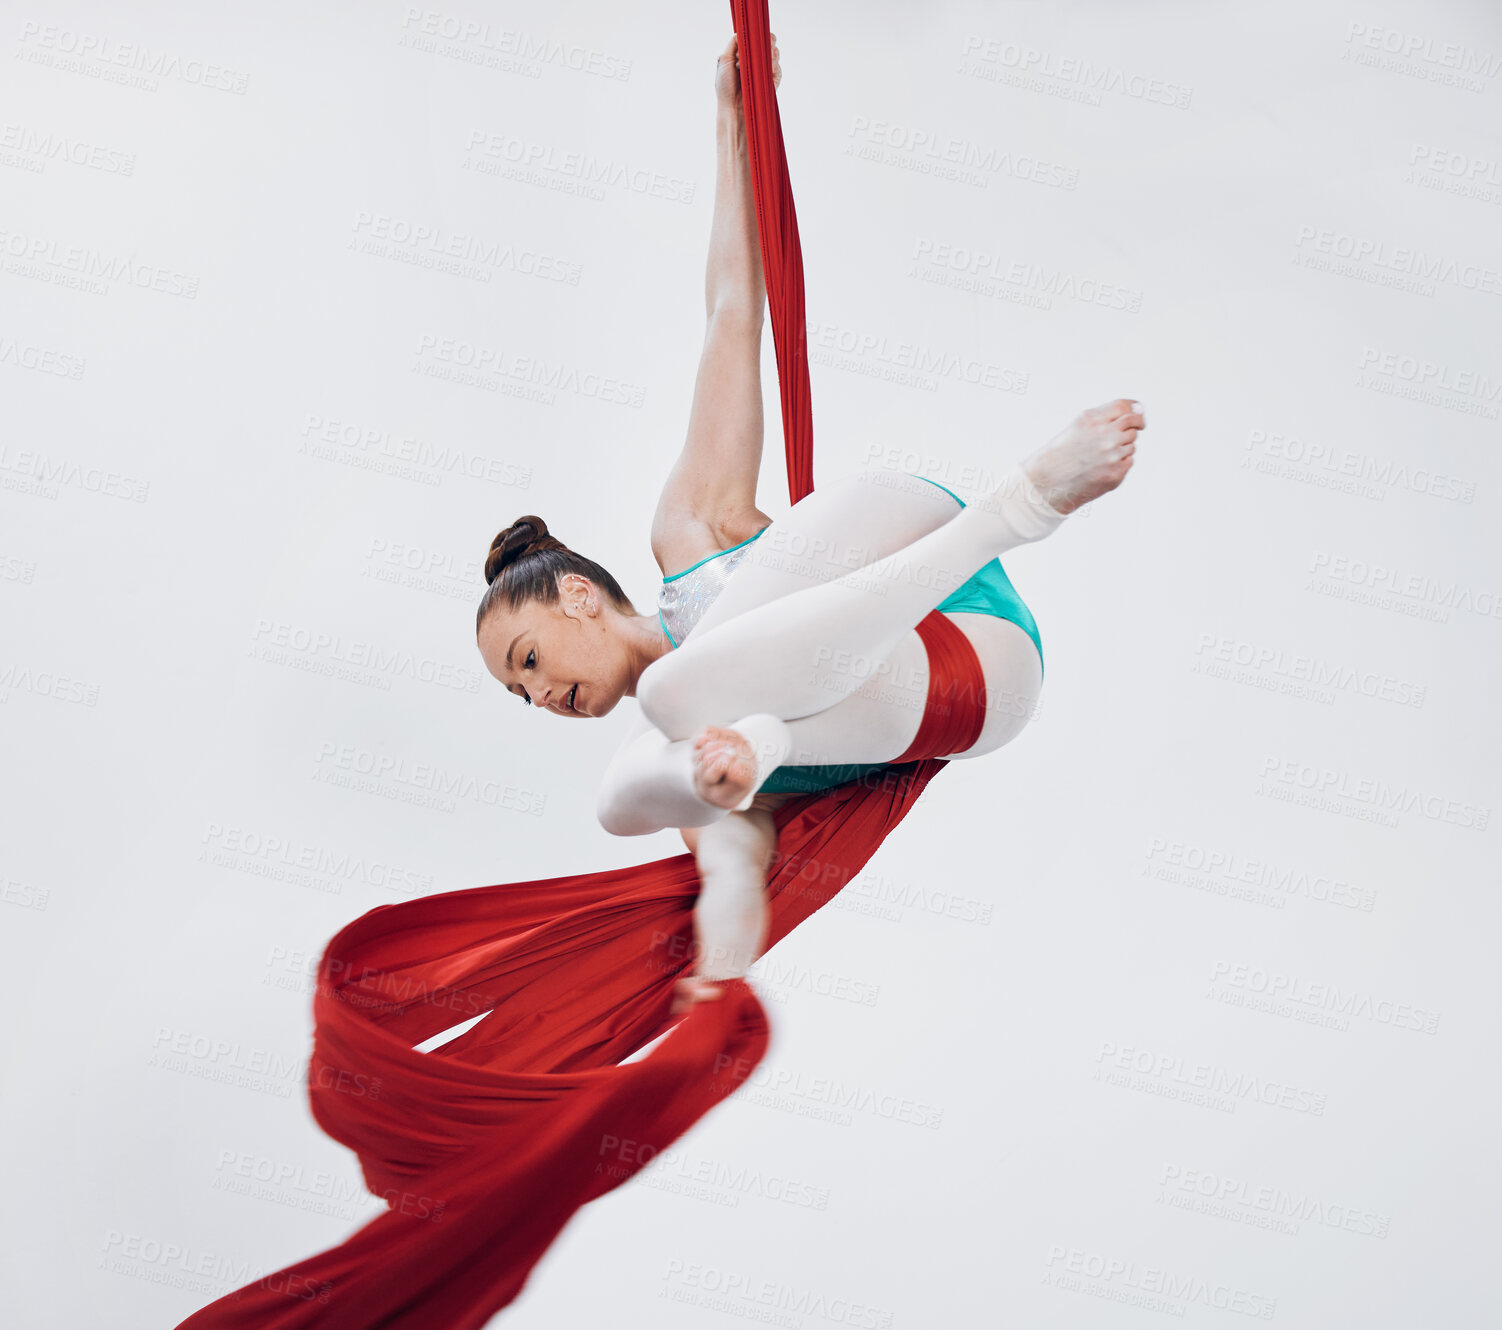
(777, 226)
(955, 708)
(484, 1148)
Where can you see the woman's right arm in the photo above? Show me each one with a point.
(709, 499)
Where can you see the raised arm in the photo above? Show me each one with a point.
(709, 500)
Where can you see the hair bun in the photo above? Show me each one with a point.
(524, 536)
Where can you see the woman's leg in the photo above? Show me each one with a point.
(654, 783)
(804, 652)
(833, 531)
(839, 527)
(840, 655)
(730, 917)
(800, 654)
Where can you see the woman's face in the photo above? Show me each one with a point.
(566, 657)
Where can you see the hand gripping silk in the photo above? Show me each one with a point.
(485, 1148)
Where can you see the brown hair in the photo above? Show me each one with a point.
(525, 563)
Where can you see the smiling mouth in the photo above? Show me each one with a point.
(573, 694)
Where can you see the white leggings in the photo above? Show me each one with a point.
(810, 649)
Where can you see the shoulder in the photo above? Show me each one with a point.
(681, 540)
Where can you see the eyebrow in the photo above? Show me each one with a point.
(509, 649)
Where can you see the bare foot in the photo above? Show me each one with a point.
(1089, 458)
(724, 766)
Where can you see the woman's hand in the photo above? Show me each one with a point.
(724, 766)
(692, 988)
(727, 75)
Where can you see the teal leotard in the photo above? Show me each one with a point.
(989, 591)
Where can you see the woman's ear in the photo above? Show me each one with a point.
(580, 595)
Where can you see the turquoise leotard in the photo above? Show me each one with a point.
(989, 591)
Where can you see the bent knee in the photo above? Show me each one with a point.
(661, 693)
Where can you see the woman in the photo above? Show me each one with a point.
(802, 667)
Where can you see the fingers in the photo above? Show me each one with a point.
(730, 53)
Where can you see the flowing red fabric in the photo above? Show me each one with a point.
(486, 1146)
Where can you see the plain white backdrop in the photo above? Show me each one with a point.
(1194, 985)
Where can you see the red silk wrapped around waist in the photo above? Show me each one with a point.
(955, 708)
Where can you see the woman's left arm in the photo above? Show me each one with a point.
(709, 499)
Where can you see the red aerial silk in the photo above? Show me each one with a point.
(484, 1148)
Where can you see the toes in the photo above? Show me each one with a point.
(1122, 406)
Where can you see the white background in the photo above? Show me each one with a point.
(1050, 978)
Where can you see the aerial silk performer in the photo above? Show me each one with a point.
(486, 1146)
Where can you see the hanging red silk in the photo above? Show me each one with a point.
(484, 1148)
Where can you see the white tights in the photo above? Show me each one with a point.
(838, 584)
(810, 649)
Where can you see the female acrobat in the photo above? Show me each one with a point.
(782, 655)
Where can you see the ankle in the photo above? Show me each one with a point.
(1021, 501)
